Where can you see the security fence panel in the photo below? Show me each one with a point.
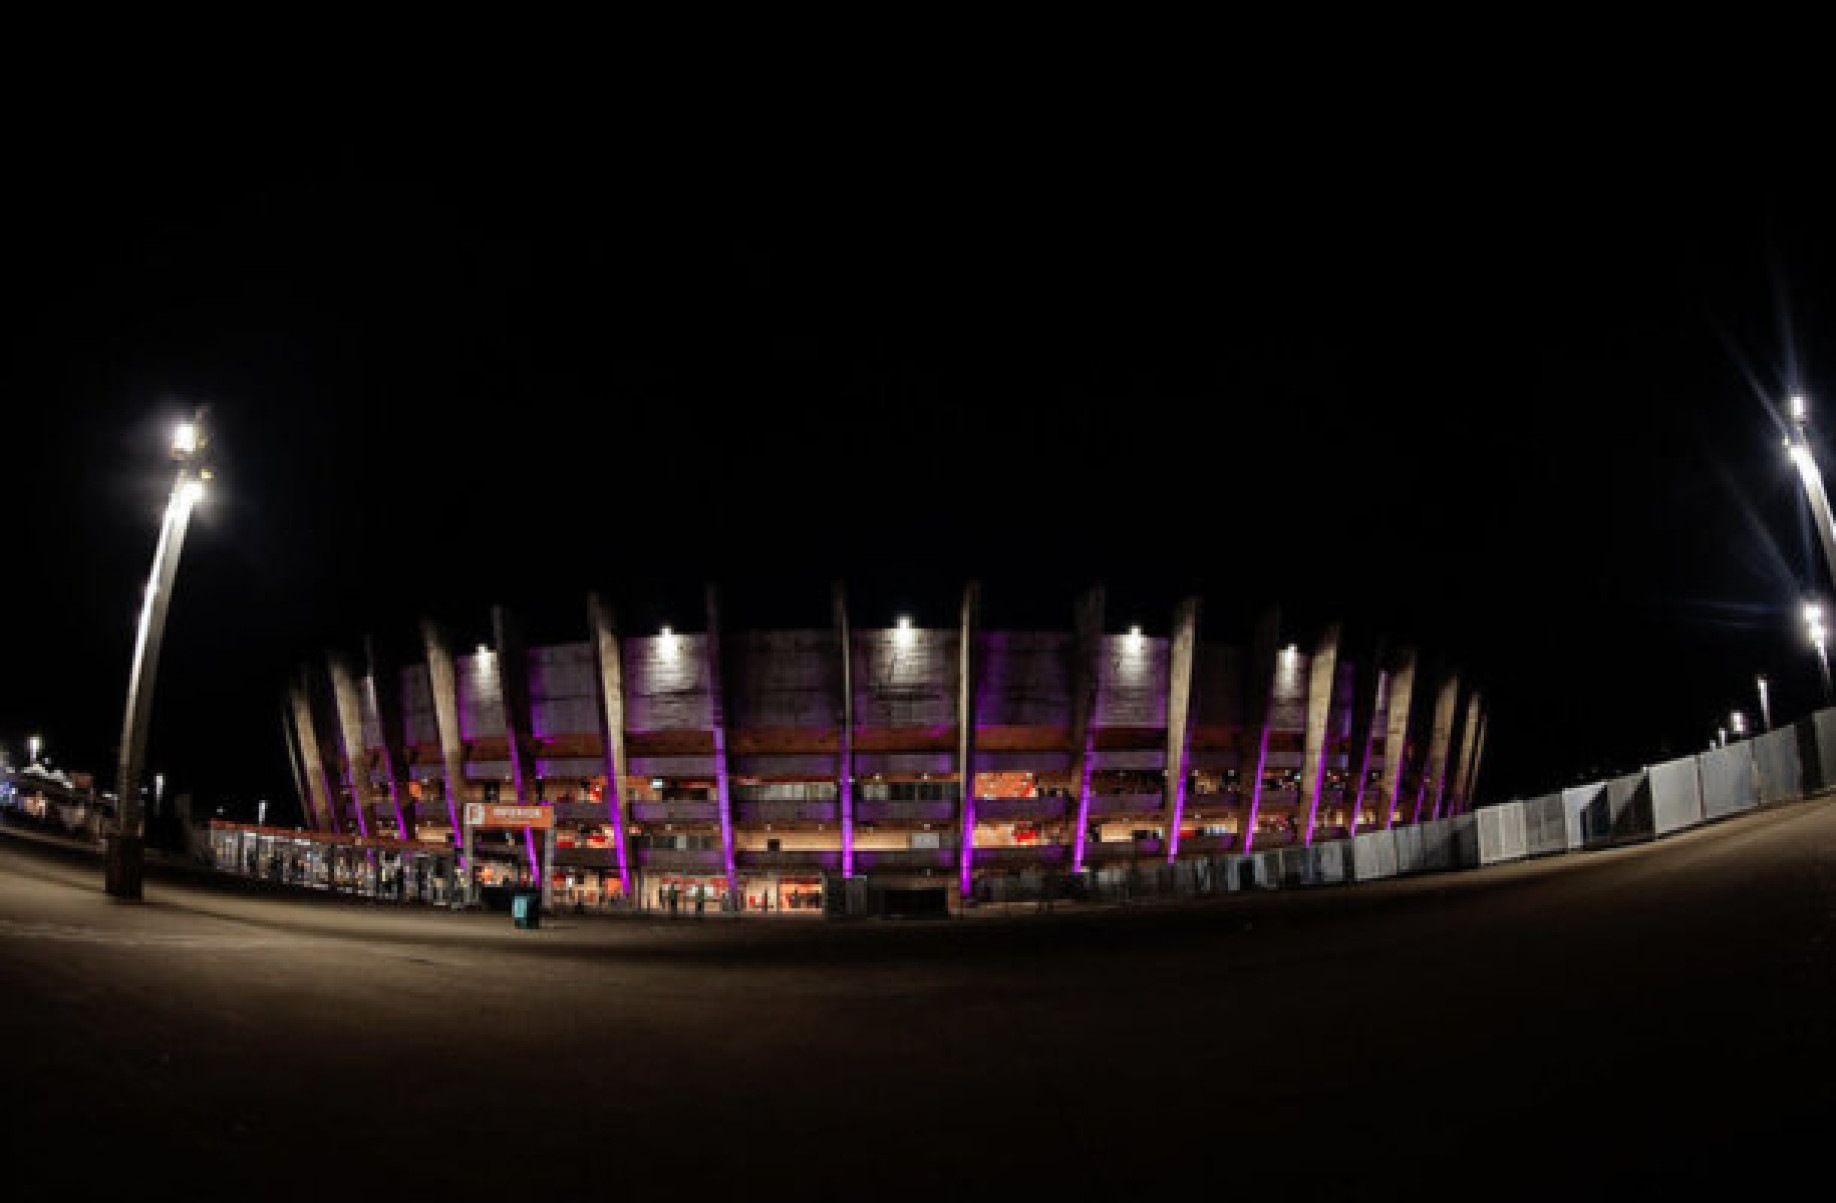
(1268, 870)
(1820, 735)
(1499, 834)
(1409, 855)
(1373, 855)
(1545, 825)
(1781, 775)
(1629, 807)
(1727, 780)
(1332, 861)
(1676, 795)
(1437, 845)
(1584, 810)
(1293, 863)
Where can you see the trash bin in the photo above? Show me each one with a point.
(526, 908)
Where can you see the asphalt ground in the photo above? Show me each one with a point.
(1653, 1018)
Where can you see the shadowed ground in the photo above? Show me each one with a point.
(1649, 1018)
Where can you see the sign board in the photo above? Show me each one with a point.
(505, 814)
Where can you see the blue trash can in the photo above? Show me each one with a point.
(526, 908)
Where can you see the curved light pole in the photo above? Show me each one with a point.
(125, 847)
(1819, 637)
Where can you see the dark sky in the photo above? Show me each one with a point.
(1515, 407)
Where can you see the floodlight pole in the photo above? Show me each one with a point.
(1798, 444)
(124, 849)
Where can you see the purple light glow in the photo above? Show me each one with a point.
(1249, 820)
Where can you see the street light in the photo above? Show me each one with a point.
(33, 743)
(1797, 444)
(125, 848)
(1813, 619)
(1765, 706)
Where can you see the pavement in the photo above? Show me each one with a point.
(1648, 1019)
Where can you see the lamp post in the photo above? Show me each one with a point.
(125, 848)
(1798, 445)
(1813, 619)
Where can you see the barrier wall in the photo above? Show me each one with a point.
(1775, 758)
(1373, 855)
(1629, 807)
(1676, 795)
(1545, 825)
(1584, 813)
(1818, 739)
(1499, 834)
(1727, 780)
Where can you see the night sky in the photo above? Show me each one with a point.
(1520, 410)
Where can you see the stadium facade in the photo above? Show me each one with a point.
(787, 769)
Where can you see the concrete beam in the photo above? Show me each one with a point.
(1322, 684)
(519, 739)
(321, 815)
(1179, 714)
(443, 684)
(1367, 692)
(1258, 702)
(354, 760)
(385, 684)
(609, 657)
(968, 670)
(1472, 769)
(844, 752)
(1396, 735)
(717, 701)
(1457, 799)
(1085, 672)
(1434, 778)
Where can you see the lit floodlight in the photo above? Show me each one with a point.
(1797, 408)
(185, 438)
(194, 491)
(905, 623)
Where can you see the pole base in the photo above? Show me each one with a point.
(123, 858)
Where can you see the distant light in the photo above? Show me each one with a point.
(1797, 408)
(1134, 632)
(905, 624)
(483, 650)
(185, 438)
(668, 634)
(194, 491)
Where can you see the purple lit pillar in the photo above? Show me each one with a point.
(1434, 781)
(1179, 715)
(1322, 682)
(320, 814)
(1396, 734)
(1085, 676)
(611, 677)
(355, 758)
(1258, 701)
(1469, 734)
(443, 687)
(717, 700)
(967, 671)
(385, 692)
(513, 676)
(844, 753)
(1367, 700)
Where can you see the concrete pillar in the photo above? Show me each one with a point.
(967, 678)
(1470, 792)
(1367, 694)
(385, 684)
(1434, 777)
(443, 683)
(1258, 701)
(1322, 683)
(718, 703)
(1457, 800)
(844, 752)
(322, 815)
(1179, 714)
(355, 759)
(610, 657)
(1085, 676)
(300, 790)
(519, 738)
(1396, 735)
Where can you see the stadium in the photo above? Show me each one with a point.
(847, 770)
